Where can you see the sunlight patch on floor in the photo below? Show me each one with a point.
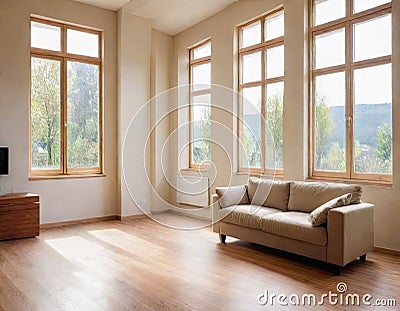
(81, 251)
(127, 242)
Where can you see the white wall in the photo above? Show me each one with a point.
(220, 28)
(69, 199)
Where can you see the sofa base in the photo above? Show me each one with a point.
(274, 241)
(271, 240)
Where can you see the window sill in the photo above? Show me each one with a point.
(72, 176)
(373, 183)
(195, 169)
(261, 175)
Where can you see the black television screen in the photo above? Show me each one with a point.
(4, 160)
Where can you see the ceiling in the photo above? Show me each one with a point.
(113, 5)
(169, 16)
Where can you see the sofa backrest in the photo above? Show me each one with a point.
(307, 196)
(270, 193)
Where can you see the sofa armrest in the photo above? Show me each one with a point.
(350, 231)
(215, 198)
(228, 196)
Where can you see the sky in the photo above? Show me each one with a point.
(49, 37)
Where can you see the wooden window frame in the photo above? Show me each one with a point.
(260, 47)
(348, 69)
(193, 63)
(63, 57)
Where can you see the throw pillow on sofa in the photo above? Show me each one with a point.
(319, 216)
(234, 195)
(269, 193)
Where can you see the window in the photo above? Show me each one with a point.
(351, 89)
(261, 84)
(200, 104)
(66, 102)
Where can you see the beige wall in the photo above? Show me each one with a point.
(134, 49)
(61, 200)
(143, 72)
(220, 28)
(161, 54)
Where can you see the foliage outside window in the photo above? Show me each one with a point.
(261, 85)
(66, 127)
(200, 104)
(351, 89)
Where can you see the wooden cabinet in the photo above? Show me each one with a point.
(19, 216)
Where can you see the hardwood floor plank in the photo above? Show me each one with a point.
(142, 265)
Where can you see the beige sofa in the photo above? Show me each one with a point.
(283, 214)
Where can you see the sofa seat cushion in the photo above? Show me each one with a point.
(269, 193)
(307, 196)
(295, 225)
(247, 215)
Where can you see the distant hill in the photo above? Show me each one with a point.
(368, 117)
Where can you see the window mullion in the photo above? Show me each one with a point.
(263, 123)
(263, 98)
(63, 39)
(63, 128)
(349, 102)
(349, 8)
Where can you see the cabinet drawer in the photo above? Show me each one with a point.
(19, 220)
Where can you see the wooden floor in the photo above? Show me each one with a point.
(141, 265)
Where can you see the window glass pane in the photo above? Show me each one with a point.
(201, 77)
(45, 36)
(373, 119)
(275, 62)
(329, 10)
(274, 27)
(45, 113)
(362, 5)
(201, 129)
(251, 127)
(330, 49)
(82, 43)
(330, 129)
(251, 35)
(373, 38)
(202, 51)
(274, 123)
(251, 67)
(83, 115)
